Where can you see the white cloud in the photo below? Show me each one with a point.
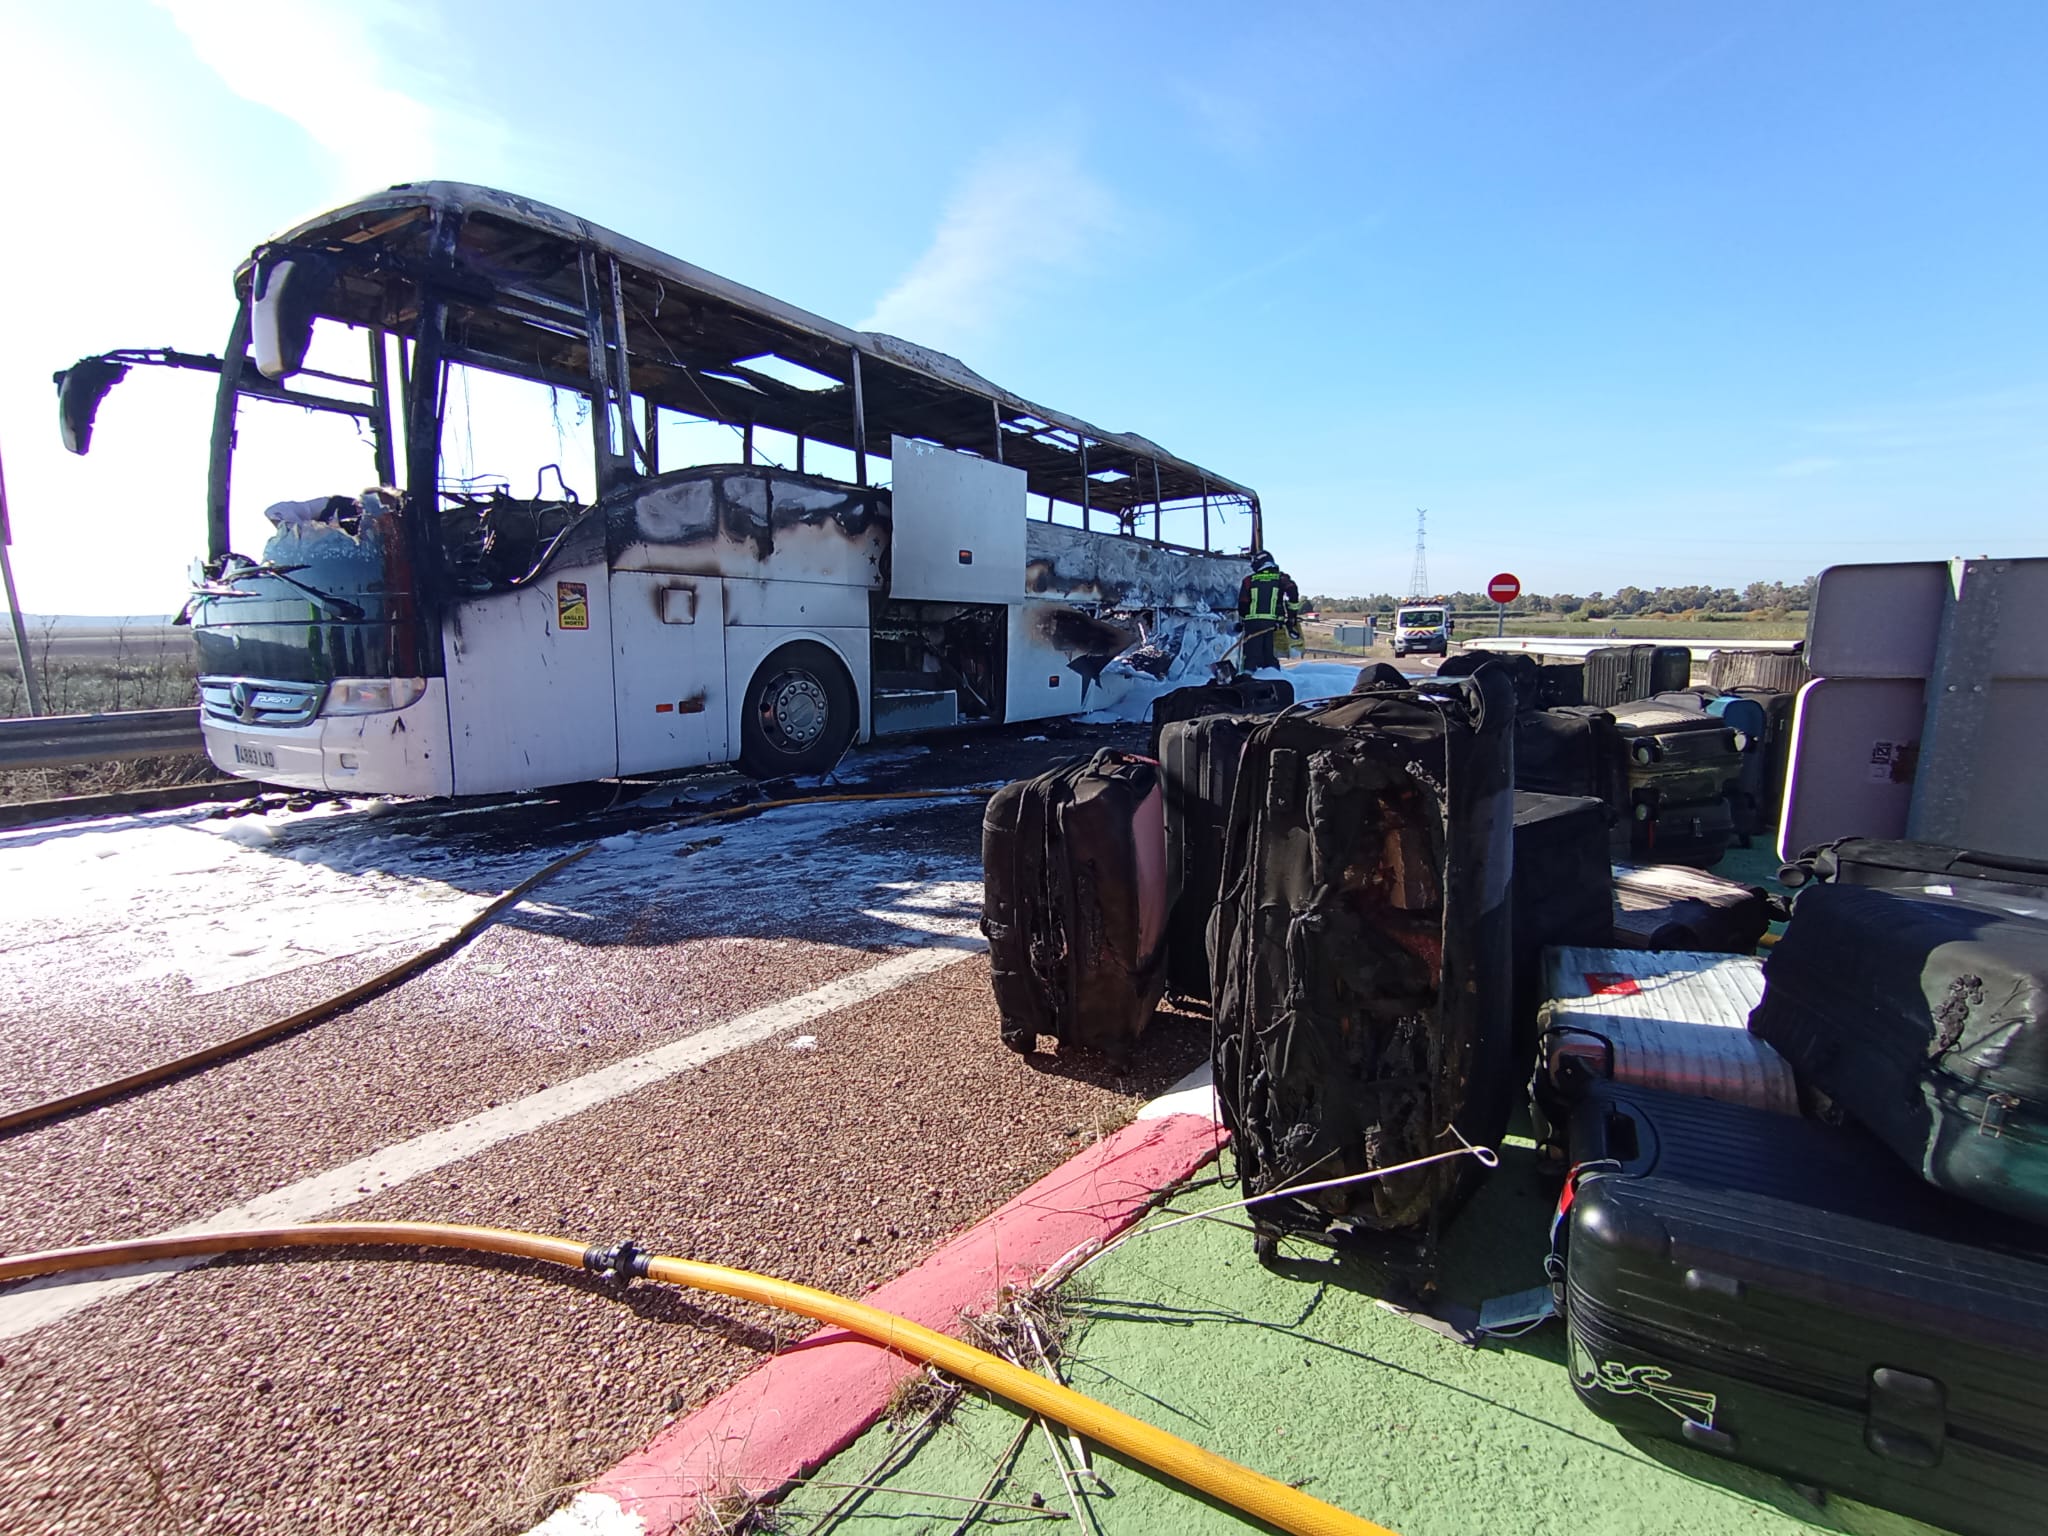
(1800, 468)
(318, 64)
(1018, 218)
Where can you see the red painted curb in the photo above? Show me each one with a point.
(804, 1407)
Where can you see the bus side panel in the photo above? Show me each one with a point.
(668, 665)
(1040, 680)
(530, 684)
(959, 524)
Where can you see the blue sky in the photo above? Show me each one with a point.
(1619, 292)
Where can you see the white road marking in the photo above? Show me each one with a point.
(591, 1514)
(1194, 1094)
(56, 1297)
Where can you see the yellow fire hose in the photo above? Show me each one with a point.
(1287, 1509)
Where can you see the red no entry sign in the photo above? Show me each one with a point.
(1504, 588)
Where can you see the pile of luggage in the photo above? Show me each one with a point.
(1684, 772)
(1805, 1223)
(1359, 894)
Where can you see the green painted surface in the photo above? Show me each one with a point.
(1300, 1373)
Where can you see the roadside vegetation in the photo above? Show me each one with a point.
(1761, 602)
(140, 671)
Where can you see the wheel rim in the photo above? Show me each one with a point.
(794, 711)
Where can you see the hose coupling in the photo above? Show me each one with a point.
(622, 1263)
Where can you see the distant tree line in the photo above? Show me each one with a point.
(1769, 599)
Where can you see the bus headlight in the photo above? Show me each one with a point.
(372, 695)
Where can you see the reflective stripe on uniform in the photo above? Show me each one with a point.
(1265, 597)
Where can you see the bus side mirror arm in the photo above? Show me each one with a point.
(82, 386)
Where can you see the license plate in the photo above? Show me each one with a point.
(255, 757)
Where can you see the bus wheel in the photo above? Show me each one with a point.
(799, 713)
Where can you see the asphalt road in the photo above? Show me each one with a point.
(768, 1043)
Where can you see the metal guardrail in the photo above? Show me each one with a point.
(54, 741)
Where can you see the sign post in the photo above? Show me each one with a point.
(28, 673)
(1503, 589)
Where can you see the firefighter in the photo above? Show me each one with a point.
(1267, 599)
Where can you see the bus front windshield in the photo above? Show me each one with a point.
(293, 464)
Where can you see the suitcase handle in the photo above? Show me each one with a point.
(1607, 1047)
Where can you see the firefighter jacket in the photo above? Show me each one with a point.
(1268, 597)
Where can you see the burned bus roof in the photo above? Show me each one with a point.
(707, 346)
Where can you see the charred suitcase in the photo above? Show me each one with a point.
(1683, 766)
(1615, 674)
(1575, 750)
(1889, 1366)
(1198, 768)
(1563, 894)
(1673, 1020)
(1749, 799)
(1760, 671)
(1376, 675)
(1245, 696)
(1667, 906)
(1933, 869)
(1362, 962)
(1074, 902)
(1926, 1020)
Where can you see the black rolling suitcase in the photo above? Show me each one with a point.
(1698, 834)
(1575, 750)
(1362, 963)
(1519, 667)
(1615, 674)
(1563, 894)
(1074, 902)
(1926, 1020)
(1635, 1133)
(1861, 1358)
(1935, 869)
(1667, 906)
(1560, 684)
(1245, 696)
(1670, 668)
(1777, 751)
(1198, 768)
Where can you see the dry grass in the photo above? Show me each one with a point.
(145, 672)
(146, 675)
(139, 773)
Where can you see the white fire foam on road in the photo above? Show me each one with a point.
(177, 898)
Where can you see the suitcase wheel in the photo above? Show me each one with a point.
(1023, 1042)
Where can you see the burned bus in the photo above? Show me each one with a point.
(540, 505)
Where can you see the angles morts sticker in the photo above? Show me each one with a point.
(572, 605)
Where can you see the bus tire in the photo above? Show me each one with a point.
(799, 713)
